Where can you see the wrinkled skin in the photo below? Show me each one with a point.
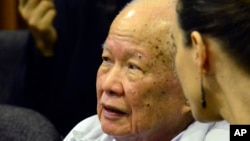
(139, 96)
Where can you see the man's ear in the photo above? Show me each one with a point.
(186, 108)
(200, 54)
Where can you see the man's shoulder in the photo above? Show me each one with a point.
(88, 129)
(89, 122)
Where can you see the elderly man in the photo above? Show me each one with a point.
(139, 97)
(50, 77)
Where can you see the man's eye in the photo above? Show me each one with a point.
(133, 66)
(105, 59)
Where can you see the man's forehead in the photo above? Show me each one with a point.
(135, 50)
(142, 21)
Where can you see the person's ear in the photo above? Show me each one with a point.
(186, 108)
(200, 48)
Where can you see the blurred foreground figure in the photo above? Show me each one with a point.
(212, 58)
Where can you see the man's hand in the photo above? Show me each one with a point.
(39, 15)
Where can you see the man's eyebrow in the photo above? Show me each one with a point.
(105, 47)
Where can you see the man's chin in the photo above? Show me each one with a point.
(113, 129)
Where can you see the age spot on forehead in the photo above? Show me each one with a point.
(158, 39)
(163, 92)
(150, 42)
(139, 55)
(163, 61)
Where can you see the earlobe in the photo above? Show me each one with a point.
(200, 54)
(186, 108)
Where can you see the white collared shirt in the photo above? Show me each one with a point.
(90, 129)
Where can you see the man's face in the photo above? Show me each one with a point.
(137, 91)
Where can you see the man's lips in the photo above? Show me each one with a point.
(113, 110)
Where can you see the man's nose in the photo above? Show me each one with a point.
(113, 81)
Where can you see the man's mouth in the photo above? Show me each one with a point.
(113, 110)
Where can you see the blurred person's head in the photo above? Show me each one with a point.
(212, 60)
(139, 95)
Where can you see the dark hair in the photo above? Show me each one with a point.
(228, 21)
